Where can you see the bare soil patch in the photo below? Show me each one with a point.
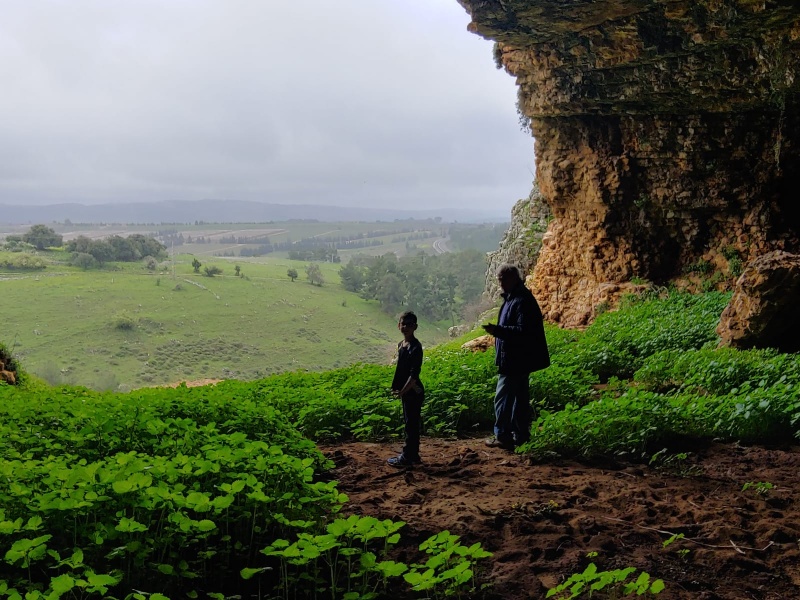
(541, 520)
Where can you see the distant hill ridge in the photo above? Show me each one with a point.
(223, 211)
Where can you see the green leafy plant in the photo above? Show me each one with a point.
(676, 464)
(349, 561)
(614, 583)
(671, 540)
(762, 488)
(700, 267)
(450, 570)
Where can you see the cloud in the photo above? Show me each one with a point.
(362, 102)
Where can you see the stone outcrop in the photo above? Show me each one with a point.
(522, 241)
(763, 310)
(8, 368)
(666, 136)
(479, 344)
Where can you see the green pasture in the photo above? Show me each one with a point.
(277, 232)
(126, 328)
(218, 250)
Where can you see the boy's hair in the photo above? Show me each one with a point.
(407, 316)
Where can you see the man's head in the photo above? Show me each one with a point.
(508, 276)
(407, 323)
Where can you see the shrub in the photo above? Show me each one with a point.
(124, 322)
(20, 261)
(83, 260)
(717, 371)
(617, 343)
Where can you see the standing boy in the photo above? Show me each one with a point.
(407, 386)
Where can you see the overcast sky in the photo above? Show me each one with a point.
(351, 103)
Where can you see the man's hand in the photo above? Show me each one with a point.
(490, 328)
(396, 393)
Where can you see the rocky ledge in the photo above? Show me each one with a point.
(666, 136)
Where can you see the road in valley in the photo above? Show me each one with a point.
(440, 246)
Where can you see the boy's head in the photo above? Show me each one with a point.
(407, 323)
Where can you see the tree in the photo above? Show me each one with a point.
(102, 251)
(390, 292)
(123, 249)
(237, 269)
(196, 264)
(42, 237)
(314, 274)
(212, 270)
(292, 273)
(352, 277)
(79, 244)
(83, 260)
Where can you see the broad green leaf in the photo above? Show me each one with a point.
(205, 525)
(248, 573)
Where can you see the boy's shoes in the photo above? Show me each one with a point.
(401, 461)
(493, 442)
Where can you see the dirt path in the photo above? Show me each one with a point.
(541, 520)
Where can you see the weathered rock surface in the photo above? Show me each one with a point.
(522, 241)
(666, 135)
(8, 369)
(457, 330)
(763, 310)
(479, 344)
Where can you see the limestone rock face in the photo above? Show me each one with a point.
(763, 310)
(479, 344)
(523, 240)
(8, 372)
(666, 135)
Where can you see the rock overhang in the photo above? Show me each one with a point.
(666, 134)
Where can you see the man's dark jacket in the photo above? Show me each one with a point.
(520, 345)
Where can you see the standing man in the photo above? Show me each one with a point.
(520, 348)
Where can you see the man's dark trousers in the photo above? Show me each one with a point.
(512, 409)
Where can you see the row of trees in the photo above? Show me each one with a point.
(435, 287)
(320, 253)
(38, 236)
(115, 248)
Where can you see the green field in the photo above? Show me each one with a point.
(126, 328)
(398, 237)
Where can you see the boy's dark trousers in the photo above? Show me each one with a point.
(412, 417)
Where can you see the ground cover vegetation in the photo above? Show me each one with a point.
(139, 495)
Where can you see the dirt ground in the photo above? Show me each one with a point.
(541, 520)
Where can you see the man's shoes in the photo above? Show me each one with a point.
(493, 442)
(401, 462)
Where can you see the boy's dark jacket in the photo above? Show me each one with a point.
(520, 344)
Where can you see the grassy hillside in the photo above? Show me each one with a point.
(126, 328)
